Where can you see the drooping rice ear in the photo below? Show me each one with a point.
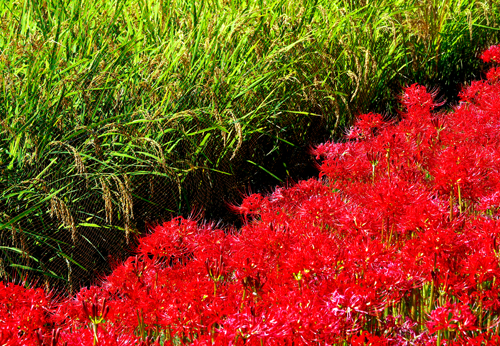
(108, 202)
(239, 133)
(60, 210)
(80, 167)
(158, 149)
(126, 203)
(128, 192)
(3, 273)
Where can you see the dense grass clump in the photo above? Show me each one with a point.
(116, 112)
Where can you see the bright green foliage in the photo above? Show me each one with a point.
(114, 111)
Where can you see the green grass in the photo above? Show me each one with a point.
(112, 112)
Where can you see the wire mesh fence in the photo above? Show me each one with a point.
(70, 223)
(72, 238)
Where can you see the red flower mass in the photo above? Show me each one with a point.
(396, 243)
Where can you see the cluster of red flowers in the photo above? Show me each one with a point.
(492, 54)
(396, 243)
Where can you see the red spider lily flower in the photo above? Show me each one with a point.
(366, 126)
(252, 205)
(24, 312)
(172, 239)
(10, 336)
(96, 312)
(367, 339)
(456, 317)
(418, 101)
(493, 75)
(52, 341)
(491, 54)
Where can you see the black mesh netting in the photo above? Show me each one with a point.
(62, 226)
